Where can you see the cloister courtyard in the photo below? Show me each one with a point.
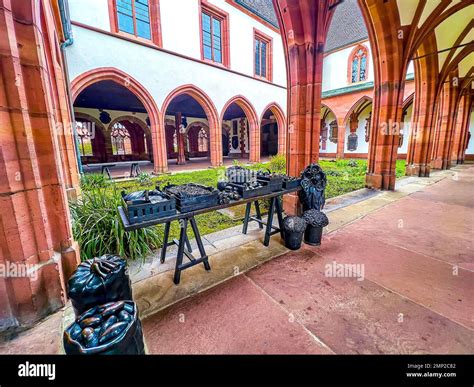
(232, 177)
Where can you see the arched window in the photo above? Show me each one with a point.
(121, 144)
(84, 132)
(358, 65)
(202, 141)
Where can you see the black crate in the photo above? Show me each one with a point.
(197, 202)
(251, 193)
(138, 211)
(291, 184)
(275, 182)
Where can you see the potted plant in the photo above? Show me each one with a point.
(294, 228)
(316, 221)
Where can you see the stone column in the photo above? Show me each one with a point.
(462, 128)
(341, 137)
(180, 139)
(445, 125)
(243, 131)
(304, 28)
(421, 135)
(35, 224)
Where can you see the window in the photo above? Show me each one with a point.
(262, 55)
(121, 144)
(85, 131)
(214, 35)
(358, 65)
(139, 18)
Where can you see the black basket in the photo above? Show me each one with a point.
(196, 202)
(291, 184)
(138, 211)
(251, 193)
(275, 182)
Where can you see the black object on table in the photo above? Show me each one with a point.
(186, 218)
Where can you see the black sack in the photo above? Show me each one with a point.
(99, 281)
(110, 329)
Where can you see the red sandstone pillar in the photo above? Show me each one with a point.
(242, 137)
(445, 126)
(35, 224)
(341, 137)
(180, 139)
(421, 136)
(462, 128)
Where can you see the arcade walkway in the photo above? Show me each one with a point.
(416, 296)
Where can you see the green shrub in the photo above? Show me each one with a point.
(144, 179)
(277, 164)
(93, 181)
(352, 163)
(97, 227)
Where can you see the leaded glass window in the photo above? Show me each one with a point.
(134, 17)
(211, 37)
(358, 65)
(261, 57)
(121, 143)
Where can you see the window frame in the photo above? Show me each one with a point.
(351, 59)
(259, 35)
(155, 23)
(223, 17)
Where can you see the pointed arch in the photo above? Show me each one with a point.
(281, 122)
(211, 113)
(81, 82)
(358, 107)
(254, 130)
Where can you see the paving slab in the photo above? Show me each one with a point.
(424, 280)
(353, 316)
(439, 230)
(234, 318)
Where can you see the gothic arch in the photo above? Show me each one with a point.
(212, 117)
(88, 78)
(281, 122)
(359, 105)
(254, 130)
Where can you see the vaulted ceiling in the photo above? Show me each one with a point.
(453, 26)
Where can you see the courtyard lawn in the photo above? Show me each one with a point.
(99, 230)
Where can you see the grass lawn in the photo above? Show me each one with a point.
(343, 176)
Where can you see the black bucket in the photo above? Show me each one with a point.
(313, 235)
(293, 240)
(294, 228)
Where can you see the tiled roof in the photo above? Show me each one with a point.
(347, 26)
(261, 8)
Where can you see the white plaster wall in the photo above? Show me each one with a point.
(362, 146)
(241, 42)
(470, 148)
(335, 67)
(406, 130)
(180, 25)
(160, 72)
(330, 146)
(94, 13)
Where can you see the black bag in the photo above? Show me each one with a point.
(98, 281)
(110, 329)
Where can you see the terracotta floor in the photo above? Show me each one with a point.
(416, 294)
